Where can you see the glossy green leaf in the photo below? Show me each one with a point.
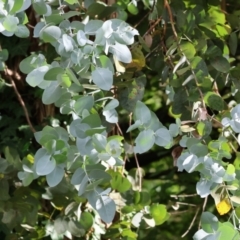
(233, 42)
(214, 101)
(71, 1)
(129, 95)
(17, 6)
(230, 169)
(64, 80)
(188, 49)
(204, 128)
(106, 63)
(120, 183)
(132, 9)
(236, 162)
(72, 76)
(221, 64)
(159, 213)
(227, 230)
(86, 220)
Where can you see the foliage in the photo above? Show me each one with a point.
(119, 81)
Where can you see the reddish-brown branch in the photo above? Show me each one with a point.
(152, 27)
(187, 61)
(191, 224)
(9, 76)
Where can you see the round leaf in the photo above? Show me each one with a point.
(144, 141)
(50, 34)
(159, 213)
(221, 64)
(163, 137)
(214, 101)
(103, 78)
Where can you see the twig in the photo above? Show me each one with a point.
(184, 195)
(154, 2)
(187, 204)
(154, 49)
(135, 156)
(187, 61)
(191, 225)
(171, 18)
(142, 19)
(204, 203)
(233, 148)
(29, 25)
(119, 129)
(153, 6)
(8, 74)
(203, 209)
(152, 27)
(124, 165)
(179, 212)
(229, 197)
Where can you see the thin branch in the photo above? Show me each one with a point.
(204, 204)
(29, 25)
(187, 61)
(203, 209)
(135, 156)
(186, 204)
(183, 195)
(119, 129)
(8, 74)
(152, 27)
(191, 225)
(154, 49)
(154, 2)
(142, 19)
(179, 212)
(153, 6)
(171, 18)
(233, 148)
(229, 197)
(124, 165)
